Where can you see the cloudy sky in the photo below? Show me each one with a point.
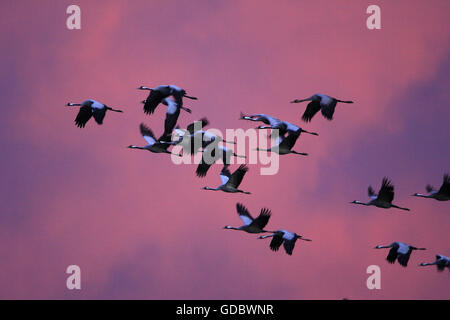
(141, 227)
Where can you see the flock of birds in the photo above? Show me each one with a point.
(194, 139)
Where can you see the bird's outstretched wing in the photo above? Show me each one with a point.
(225, 175)
(276, 242)
(328, 109)
(370, 191)
(99, 115)
(392, 256)
(203, 122)
(238, 175)
(289, 245)
(83, 116)
(154, 99)
(244, 214)
(312, 108)
(404, 258)
(290, 140)
(445, 188)
(386, 192)
(263, 218)
(203, 166)
(147, 134)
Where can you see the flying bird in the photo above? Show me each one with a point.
(285, 145)
(443, 194)
(285, 238)
(88, 109)
(158, 94)
(231, 182)
(213, 153)
(274, 123)
(194, 138)
(384, 197)
(321, 102)
(441, 263)
(399, 251)
(251, 225)
(153, 145)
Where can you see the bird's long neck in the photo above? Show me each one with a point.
(428, 263)
(422, 195)
(136, 147)
(232, 228)
(383, 247)
(361, 203)
(211, 189)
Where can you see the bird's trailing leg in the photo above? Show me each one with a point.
(189, 97)
(397, 207)
(299, 153)
(309, 132)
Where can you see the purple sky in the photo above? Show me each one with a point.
(141, 227)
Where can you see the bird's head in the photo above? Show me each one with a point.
(228, 227)
(354, 201)
(378, 247)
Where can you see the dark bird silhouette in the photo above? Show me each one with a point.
(231, 182)
(90, 108)
(321, 102)
(443, 194)
(213, 153)
(285, 145)
(399, 251)
(384, 197)
(441, 263)
(158, 94)
(153, 145)
(285, 238)
(274, 123)
(251, 225)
